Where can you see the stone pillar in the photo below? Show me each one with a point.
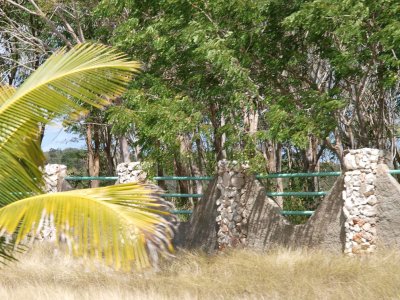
(360, 207)
(131, 172)
(54, 175)
(233, 206)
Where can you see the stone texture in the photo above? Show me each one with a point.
(54, 175)
(131, 172)
(359, 199)
(268, 229)
(360, 214)
(201, 231)
(261, 227)
(387, 192)
(232, 213)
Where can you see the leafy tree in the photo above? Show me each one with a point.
(223, 80)
(357, 42)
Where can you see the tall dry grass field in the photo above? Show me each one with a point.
(280, 274)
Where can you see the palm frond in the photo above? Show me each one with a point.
(116, 224)
(6, 91)
(89, 73)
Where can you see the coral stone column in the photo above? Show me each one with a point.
(232, 205)
(54, 175)
(360, 202)
(131, 172)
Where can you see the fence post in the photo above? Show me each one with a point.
(232, 205)
(54, 175)
(360, 209)
(131, 172)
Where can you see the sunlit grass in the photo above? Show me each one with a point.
(280, 274)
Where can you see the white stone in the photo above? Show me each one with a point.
(370, 178)
(372, 200)
(369, 211)
(366, 226)
(350, 162)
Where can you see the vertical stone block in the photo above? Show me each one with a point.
(360, 208)
(231, 218)
(131, 172)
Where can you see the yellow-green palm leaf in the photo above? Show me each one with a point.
(117, 224)
(89, 73)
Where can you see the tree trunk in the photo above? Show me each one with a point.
(273, 155)
(93, 146)
(124, 149)
(180, 171)
(108, 150)
(219, 139)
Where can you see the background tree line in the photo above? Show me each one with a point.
(286, 85)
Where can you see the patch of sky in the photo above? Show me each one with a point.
(56, 137)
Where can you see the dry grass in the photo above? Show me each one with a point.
(280, 274)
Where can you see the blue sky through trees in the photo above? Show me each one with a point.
(56, 137)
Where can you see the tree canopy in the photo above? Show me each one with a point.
(285, 85)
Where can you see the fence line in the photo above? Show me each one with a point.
(258, 176)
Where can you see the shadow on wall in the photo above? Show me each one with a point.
(325, 228)
(266, 227)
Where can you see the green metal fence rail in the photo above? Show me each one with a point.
(158, 178)
(208, 178)
(297, 194)
(102, 178)
(259, 176)
(295, 175)
(181, 212)
(296, 212)
(181, 195)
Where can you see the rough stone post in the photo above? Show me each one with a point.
(233, 206)
(54, 175)
(131, 172)
(360, 202)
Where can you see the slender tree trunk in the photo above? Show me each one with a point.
(200, 156)
(273, 155)
(181, 171)
(93, 146)
(160, 173)
(124, 149)
(108, 150)
(219, 139)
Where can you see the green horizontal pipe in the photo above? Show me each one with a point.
(109, 178)
(182, 178)
(181, 212)
(282, 212)
(292, 175)
(296, 212)
(298, 194)
(181, 195)
(272, 175)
